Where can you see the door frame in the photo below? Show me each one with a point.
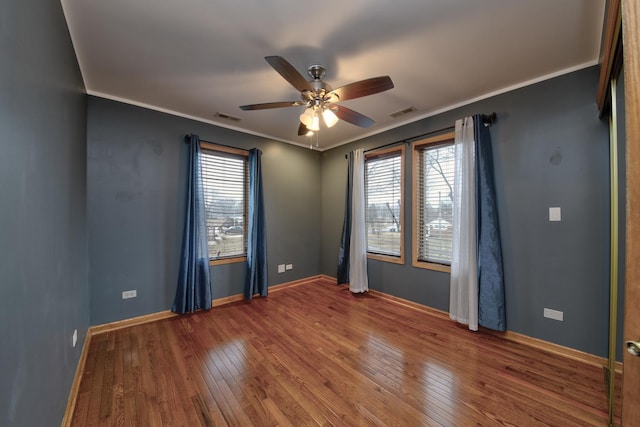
(631, 60)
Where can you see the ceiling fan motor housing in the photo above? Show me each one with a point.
(317, 97)
(316, 71)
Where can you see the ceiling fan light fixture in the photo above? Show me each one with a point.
(310, 119)
(330, 118)
(315, 124)
(306, 118)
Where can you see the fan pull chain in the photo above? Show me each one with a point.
(317, 134)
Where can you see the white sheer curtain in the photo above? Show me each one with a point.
(358, 279)
(463, 302)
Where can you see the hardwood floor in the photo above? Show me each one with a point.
(315, 354)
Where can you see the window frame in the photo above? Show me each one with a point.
(396, 259)
(416, 146)
(208, 146)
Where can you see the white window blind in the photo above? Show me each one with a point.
(226, 181)
(435, 167)
(383, 189)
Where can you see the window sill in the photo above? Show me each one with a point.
(227, 260)
(386, 258)
(432, 266)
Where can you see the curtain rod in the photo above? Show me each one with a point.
(488, 119)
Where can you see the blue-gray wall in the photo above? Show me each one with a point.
(43, 267)
(136, 181)
(125, 195)
(550, 149)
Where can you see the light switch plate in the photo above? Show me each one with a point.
(555, 214)
(281, 268)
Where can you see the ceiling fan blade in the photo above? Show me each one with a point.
(268, 105)
(363, 88)
(302, 130)
(351, 116)
(289, 73)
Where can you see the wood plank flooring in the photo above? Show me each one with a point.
(315, 354)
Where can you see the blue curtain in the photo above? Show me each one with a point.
(345, 240)
(491, 297)
(256, 278)
(194, 282)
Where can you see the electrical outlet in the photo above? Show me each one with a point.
(281, 268)
(554, 314)
(555, 214)
(289, 267)
(129, 294)
(74, 338)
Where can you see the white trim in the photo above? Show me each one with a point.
(73, 39)
(432, 113)
(390, 126)
(190, 117)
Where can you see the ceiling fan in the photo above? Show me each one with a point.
(320, 99)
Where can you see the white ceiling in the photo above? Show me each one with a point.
(195, 58)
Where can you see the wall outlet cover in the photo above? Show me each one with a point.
(554, 314)
(74, 338)
(129, 294)
(289, 267)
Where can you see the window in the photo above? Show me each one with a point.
(433, 202)
(225, 177)
(384, 177)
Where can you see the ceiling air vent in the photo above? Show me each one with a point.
(402, 112)
(227, 116)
